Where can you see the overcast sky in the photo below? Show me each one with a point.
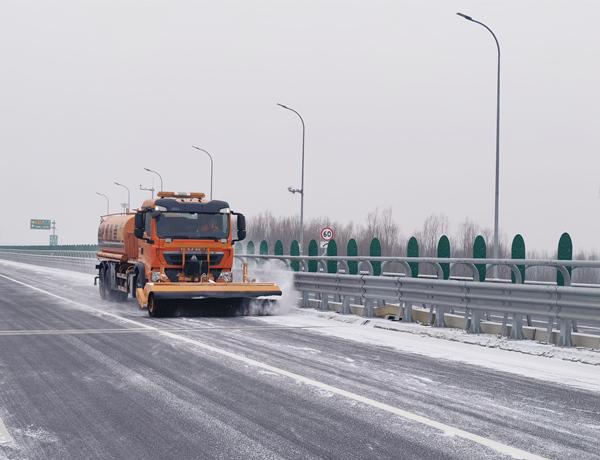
(398, 99)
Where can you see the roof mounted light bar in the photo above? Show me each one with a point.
(198, 195)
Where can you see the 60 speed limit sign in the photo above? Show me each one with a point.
(326, 234)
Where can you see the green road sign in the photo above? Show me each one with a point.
(40, 224)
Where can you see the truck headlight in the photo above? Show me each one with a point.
(226, 277)
(155, 277)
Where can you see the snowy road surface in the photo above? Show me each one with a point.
(84, 378)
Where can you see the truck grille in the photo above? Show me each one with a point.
(175, 258)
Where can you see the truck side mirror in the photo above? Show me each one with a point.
(138, 231)
(241, 227)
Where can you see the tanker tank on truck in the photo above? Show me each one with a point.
(175, 250)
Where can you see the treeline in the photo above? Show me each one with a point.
(380, 224)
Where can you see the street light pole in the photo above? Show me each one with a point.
(301, 191)
(497, 194)
(107, 202)
(211, 168)
(159, 176)
(128, 195)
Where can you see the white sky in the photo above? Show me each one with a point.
(398, 97)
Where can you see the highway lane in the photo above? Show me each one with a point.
(79, 384)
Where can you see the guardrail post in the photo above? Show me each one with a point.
(517, 251)
(407, 316)
(475, 323)
(324, 301)
(305, 299)
(443, 251)
(367, 303)
(563, 278)
(516, 331)
(550, 329)
(564, 339)
(345, 299)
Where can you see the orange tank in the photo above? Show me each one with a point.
(115, 237)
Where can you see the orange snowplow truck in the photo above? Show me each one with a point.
(175, 250)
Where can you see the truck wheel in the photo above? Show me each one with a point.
(154, 310)
(102, 284)
(115, 296)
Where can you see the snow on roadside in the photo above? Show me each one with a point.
(574, 367)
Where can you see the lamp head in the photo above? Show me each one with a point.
(468, 18)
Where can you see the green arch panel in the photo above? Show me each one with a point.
(517, 251)
(295, 251)
(375, 251)
(278, 250)
(565, 252)
(412, 250)
(250, 247)
(264, 248)
(352, 251)
(480, 252)
(443, 251)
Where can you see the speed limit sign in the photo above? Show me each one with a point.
(326, 234)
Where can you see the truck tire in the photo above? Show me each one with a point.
(115, 296)
(102, 287)
(154, 310)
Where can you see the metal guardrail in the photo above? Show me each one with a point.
(563, 304)
(565, 267)
(80, 261)
(514, 301)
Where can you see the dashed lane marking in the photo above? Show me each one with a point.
(442, 427)
(146, 330)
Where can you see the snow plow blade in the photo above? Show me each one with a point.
(163, 298)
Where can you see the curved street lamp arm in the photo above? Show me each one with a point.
(159, 176)
(107, 201)
(292, 110)
(212, 165)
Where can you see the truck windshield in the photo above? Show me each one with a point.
(190, 225)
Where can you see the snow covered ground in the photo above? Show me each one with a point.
(577, 368)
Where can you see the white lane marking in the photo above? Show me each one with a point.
(128, 330)
(5, 437)
(444, 428)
